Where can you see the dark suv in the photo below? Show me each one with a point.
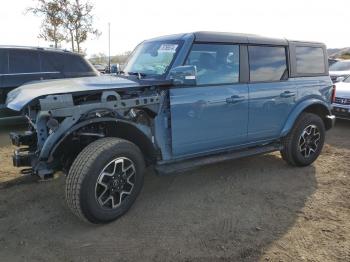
(19, 65)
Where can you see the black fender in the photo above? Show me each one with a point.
(138, 134)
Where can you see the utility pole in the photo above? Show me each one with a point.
(109, 47)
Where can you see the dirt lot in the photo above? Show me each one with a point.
(252, 209)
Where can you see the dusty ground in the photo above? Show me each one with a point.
(252, 209)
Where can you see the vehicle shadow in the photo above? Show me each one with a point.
(229, 211)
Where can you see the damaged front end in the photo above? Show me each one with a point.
(61, 125)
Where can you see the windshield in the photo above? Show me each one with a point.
(152, 58)
(340, 66)
(347, 80)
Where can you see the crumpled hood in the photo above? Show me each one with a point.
(342, 90)
(21, 96)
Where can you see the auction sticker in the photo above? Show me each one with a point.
(168, 48)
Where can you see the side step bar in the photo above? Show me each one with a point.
(185, 165)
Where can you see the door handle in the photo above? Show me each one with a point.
(235, 99)
(287, 94)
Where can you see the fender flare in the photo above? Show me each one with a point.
(301, 107)
(79, 125)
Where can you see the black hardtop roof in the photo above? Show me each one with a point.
(226, 37)
(205, 36)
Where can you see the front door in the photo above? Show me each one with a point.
(214, 114)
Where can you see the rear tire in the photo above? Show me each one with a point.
(105, 180)
(305, 141)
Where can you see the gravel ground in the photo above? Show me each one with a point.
(256, 208)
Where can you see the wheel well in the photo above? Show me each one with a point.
(72, 145)
(321, 111)
(133, 134)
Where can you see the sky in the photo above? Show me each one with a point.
(133, 21)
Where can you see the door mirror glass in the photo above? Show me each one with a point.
(184, 75)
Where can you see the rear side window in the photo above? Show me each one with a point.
(3, 62)
(310, 60)
(267, 63)
(68, 64)
(215, 63)
(24, 61)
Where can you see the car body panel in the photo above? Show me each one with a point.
(203, 118)
(23, 95)
(268, 108)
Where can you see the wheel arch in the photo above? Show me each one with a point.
(114, 128)
(315, 106)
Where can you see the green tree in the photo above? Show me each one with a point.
(66, 20)
(78, 22)
(51, 26)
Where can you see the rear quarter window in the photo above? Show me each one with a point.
(23, 61)
(310, 60)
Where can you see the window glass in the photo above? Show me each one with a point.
(153, 58)
(216, 64)
(69, 64)
(24, 61)
(310, 60)
(267, 63)
(3, 62)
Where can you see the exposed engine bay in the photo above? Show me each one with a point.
(61, 125)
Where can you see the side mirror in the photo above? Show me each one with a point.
(184, 75)
(340, 79)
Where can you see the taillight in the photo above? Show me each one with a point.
(333, 94)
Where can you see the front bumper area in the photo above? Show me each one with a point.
(22, 157)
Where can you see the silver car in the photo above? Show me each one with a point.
(339, 70)
(341, 103)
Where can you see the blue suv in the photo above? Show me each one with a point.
(182, 101)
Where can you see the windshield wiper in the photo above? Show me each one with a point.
(138, 74)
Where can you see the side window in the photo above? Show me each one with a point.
(215, 63)
(310, 60)
(69, 64)
(50, 62)
(24, 61)
(267, 63)
(3, 62)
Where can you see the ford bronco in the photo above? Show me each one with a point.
(182, 101)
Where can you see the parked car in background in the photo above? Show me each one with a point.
(100, 68)
(341, 103)
(339, 70)
(331, 61)
(20, 65)
(183, 101)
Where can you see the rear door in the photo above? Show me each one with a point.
(214, 114)
(271, 95)
(24, 66)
